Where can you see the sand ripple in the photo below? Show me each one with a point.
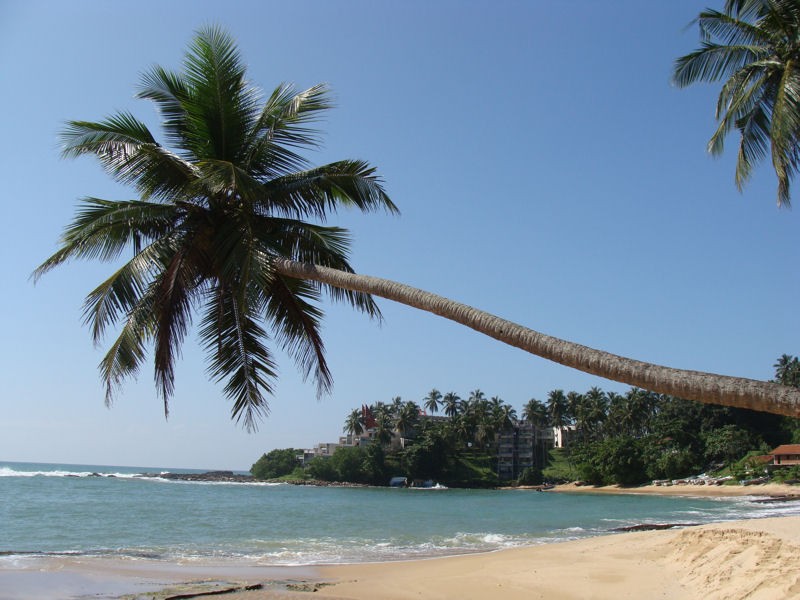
(734, 563)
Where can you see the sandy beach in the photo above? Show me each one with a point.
(773, 490)
(753, 559)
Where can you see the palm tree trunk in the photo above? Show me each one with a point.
(690, 385)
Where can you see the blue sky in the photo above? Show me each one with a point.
(545, 168)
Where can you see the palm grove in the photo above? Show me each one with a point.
(625, 438)
(228, 226)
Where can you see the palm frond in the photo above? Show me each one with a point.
(233, 340)
(286, 115)
(130, 154)
(126, 354)
(168, 90)
(743, 90)
(785, 122)
(754, 145)
(102, 229)
(712, 62)
(746, 10)
(282, 126)
(220, 107)
(322, 190)
(174, 291)
(730, 29)
(315, 244)
(752, 43)
(325, 246)
(225, 179)
(296, 323)
(121, 293)
(117, 135)
(740, 97)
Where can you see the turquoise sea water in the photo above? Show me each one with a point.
(61, 509)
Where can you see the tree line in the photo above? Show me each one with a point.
(625, 438)
(642, 436)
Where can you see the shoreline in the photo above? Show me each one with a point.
(735, 560)
(729, 560)
(765, 490)
(630, 564)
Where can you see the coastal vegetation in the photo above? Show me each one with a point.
(610, 438)
(228, 228)
(276, 463)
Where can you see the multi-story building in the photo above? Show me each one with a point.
(521, 447)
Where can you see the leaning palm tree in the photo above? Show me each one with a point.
(754, 45)
(222, 225)
(211, 216)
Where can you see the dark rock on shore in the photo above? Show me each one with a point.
(774, 499)
(654, 526)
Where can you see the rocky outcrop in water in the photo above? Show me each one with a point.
(209, 476)
(231, 477)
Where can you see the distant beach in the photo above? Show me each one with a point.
(771, 490)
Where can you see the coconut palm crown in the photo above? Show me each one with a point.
(215, 206)
(754, 45)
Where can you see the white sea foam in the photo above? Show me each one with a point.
(8, 472)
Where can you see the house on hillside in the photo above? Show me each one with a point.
(786, 455)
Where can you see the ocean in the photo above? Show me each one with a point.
(64, 510)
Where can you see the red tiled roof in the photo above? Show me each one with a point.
(787, 449)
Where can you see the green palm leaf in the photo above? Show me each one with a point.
(755, 45)
(233, 339)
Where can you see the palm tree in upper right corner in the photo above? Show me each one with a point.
(754, 46)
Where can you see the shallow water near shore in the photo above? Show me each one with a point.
(49, 510)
